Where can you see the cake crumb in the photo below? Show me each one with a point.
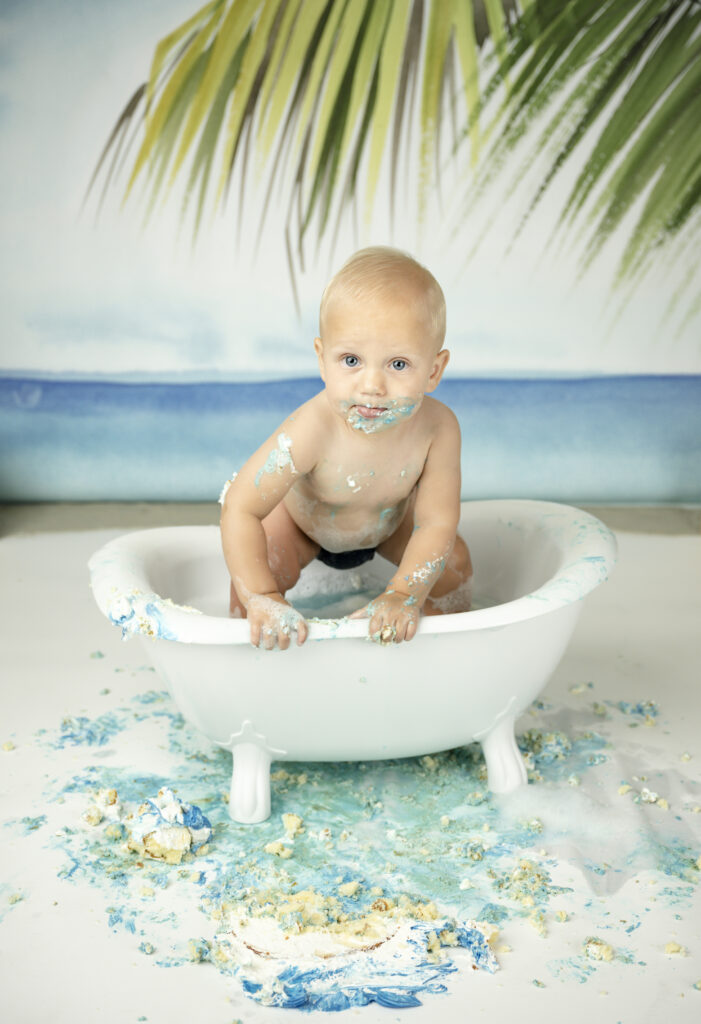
(597, 949)
(278, 849)
(93, 815)
(293, 825)
(674, 949)
(8, 746)
(537, 920)
(349, 888)
(199, 950)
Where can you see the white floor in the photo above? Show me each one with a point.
(639, 639)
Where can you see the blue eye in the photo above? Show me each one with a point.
(399, 364)
(350, 361)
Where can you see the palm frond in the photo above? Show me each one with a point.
(389, 68)
(177, 80)
(626, 73)
(329, 83)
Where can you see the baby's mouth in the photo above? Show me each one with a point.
(370, 412)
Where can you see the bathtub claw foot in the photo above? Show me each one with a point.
(505, 768)
(249, 802)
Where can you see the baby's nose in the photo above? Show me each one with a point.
(373, 381)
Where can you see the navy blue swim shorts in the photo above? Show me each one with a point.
(345, 559)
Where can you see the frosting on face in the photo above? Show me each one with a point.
(388, 413)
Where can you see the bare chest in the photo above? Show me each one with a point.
(354, 501)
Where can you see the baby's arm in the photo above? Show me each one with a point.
(260, 485)
(436, 517)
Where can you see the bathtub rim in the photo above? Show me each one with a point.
(126, 601)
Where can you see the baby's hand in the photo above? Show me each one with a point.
(272, 621)
(393, 617)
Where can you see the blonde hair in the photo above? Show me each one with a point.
(380, 271)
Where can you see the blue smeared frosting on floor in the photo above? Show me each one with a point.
(423, 839)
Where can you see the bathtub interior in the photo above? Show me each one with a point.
(513, 555)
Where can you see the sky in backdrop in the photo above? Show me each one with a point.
(88, 295)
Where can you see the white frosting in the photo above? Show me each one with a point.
(225, 488)
(280, 458)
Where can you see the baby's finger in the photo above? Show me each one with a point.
(400, 627)
(411, 629)
(269, 635)
(255, 632)
(361, 613)
(376, 624)
(302, 632)
(283, 640)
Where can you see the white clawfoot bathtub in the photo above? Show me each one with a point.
(464, 677)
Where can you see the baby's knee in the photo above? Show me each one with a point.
(460, 561)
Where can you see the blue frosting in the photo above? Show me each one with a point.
(189, 816)
(151, 622)
(387, 816)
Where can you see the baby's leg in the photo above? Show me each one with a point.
(289, 550)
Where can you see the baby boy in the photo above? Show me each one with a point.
(369, 464)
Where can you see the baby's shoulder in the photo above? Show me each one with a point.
(307, 418)
(439, 418)
(305, 428)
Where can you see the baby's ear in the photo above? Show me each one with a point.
(319, 349)
(439, 365)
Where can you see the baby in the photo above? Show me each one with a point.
(369, 464)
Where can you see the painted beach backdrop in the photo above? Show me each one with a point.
(607, 439)
(178, 182)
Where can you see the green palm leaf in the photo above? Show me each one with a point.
(303, 23)
(329, 82)
(388, 72)
(323, 91)
(343, 48)
(167, 45)
(627, 72)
